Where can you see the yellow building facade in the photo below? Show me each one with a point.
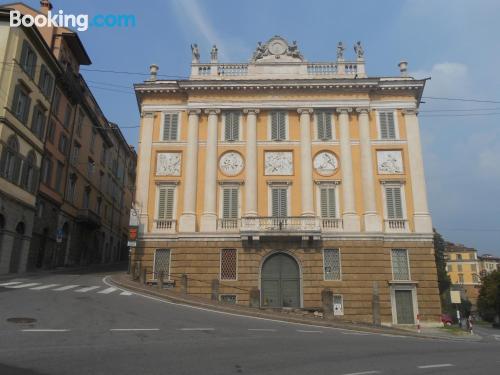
(269, 182)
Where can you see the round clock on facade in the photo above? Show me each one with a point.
(325, 163)
(231, 163)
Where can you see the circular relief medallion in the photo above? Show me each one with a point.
(231, 163)
(277, 47)
(325, 163)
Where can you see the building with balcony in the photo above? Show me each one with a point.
(78, 213)
(280, 178)
(488, 264)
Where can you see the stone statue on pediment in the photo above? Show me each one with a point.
(214, 54)
(259, 51)
(358, 49)
(340, 51)
(196, 53)
(293, 51)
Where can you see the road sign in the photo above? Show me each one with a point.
(455, 296)
(132, 243)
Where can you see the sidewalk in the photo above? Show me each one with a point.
(294, 316)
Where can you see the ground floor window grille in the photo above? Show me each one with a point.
(331, 264)
(228, 264)
(162, 263)
(228, 298)
(400, 267)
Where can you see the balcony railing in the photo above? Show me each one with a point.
(277, 225)
(168, 225)
(228, 225)
(396, 225)
(331, 224)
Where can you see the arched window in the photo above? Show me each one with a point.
(11, 162)
(30, 173)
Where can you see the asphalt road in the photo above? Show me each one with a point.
(78, 329)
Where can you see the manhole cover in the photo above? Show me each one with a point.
(21, 320)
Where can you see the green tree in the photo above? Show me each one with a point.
(488, 303)
(444, 281)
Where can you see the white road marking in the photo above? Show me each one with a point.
(11, 283)
(44, 286)
(125, 293)
(197, 329)
(108, 290)
(497, 337)
(45, 330)
(390, 335)
(262, 329)
(133, 329)
(436, 366)
(356, 333)
(363, 373)
(87, 289)
(23, 285)
(304, 331)
(67, 287)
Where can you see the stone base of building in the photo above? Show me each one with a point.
(366, 280)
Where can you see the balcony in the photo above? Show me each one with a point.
(280, 226)
(165, 226)
(88, 217)
(228, 225)
(396, 226)
(331, 224)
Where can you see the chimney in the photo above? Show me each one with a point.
(153, 70)
(403, 68)
(45, 6)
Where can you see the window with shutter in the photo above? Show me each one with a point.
(232, 126)
(324, 125)
(394, 202)
(230, 203)
(278, 126)
(28, 59)
(328, 202)
(387, 125)
(170, 126)
(279, 202)
(400, 268)
(166, 202)
(331, 264)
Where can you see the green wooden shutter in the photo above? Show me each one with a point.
(328, 203)
(391, 126)
(230, 203)
(274, 126)
(275, 202)
(169, 210)
(383, 125)
(279, 202)
(234, 203)
(281, 125)
(332, 209)
(321, 125)
(236, 126)
(398, 206)
(162, 202)
(394, 202)
(15, 102)
(328, 125)
(324, 202)
(26, 110)
(174, 127)
(24, 55)
(166, 127)
(227, 127)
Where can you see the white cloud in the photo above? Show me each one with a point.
(448, 79)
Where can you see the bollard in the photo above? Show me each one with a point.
(327, 302)
(144, 276)
(215, 290)
(376, 304)
(184, 283)
(254, 298)
(160, 280)
(418, 323)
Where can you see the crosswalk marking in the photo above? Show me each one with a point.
(125, 294)
(44, 287)
(67, 287)
(23, 285)
(11, 283)
(107, 291)
(87, 289)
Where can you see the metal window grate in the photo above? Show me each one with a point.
(162, 263)
(331, 264)
(228, 264)
(228, 298)
(400, 267)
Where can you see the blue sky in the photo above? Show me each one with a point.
(454, 42)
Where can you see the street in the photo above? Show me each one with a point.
(80, 324)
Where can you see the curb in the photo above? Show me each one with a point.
(119, 281)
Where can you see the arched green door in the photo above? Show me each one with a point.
(280, 282)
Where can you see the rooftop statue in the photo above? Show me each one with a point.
(358, 49)
(196, 53)
(340, 51)
(213, 54)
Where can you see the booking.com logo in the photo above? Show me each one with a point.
(80, 22)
